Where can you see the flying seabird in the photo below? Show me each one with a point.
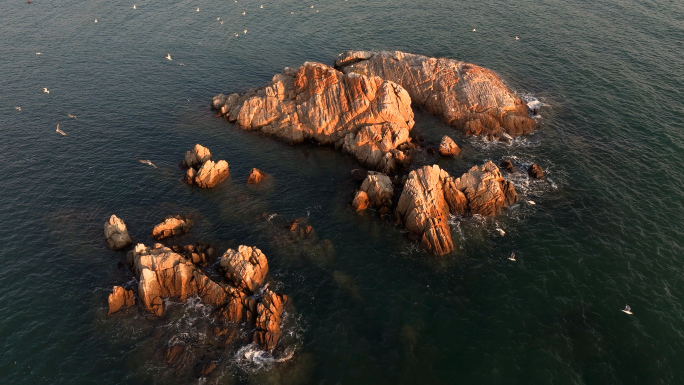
(221, 21)
(501, 232)
(261, 6)
(72, 116)
(39, 53)
(517, 38)
(218, 18)
(45, 90)
(474, 30)
(17, 108)
(244, 13)
(168, 56)
(245, 31)
(146, 161)
(96, 20)
(60, 131)
(627, 310)
(197, 9)
(512, 257)
(134, 6)
(531, 203)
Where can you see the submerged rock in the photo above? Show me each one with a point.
(430, 194)
(256, 176)
(535, 171)
(245, 267)
(466, 96)
(447, 147)
(368, 117)
(202, 170)
(116, 233)
(171, 226)
(507, 165)
(120, 298)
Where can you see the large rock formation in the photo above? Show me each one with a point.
(464, 95)
(246, 267)
(424, 210)
(430, 194)
(482, 190)
(202, 171)
(116, 234)
(161, 274)
(171, 226)
(368, 117)
(120, 298)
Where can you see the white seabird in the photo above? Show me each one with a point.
(517, 38)
(512, 257)
(474, 30)
(72, 116)
(134, 6)
(96, 20)
(531, 203)
(627, 310)
(168, 56)
(39, 53)
(501, 232)
(197, 9)
(17, 108)
(261, 7)
(60, 131)
(245, 31)
(146, 161)
(244, 13)
(45, 90)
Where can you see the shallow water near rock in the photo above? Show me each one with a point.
(369, 305)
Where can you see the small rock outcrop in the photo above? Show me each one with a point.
(368, 117)
(269, 316)
(430, 194)
(447, 147)
(466, 96)
(360, 201)
(202, 171)
(120, 298)
(171, 226)
(535, 171)
(256, 176)
(161, 274)
(377, 189)
(116, 234)
(246, 267)
(199, 254)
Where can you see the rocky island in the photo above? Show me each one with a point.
(464, 95)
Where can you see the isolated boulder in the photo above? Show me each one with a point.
(255, 176)
(120, 298)
(116, 234)
(367, 117)
(245, 267)
(447, 147)
(535, 171)
(466, 96)
(171, 226)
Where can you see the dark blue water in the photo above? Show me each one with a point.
(606, 229)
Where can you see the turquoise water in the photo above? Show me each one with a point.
(606, 229)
